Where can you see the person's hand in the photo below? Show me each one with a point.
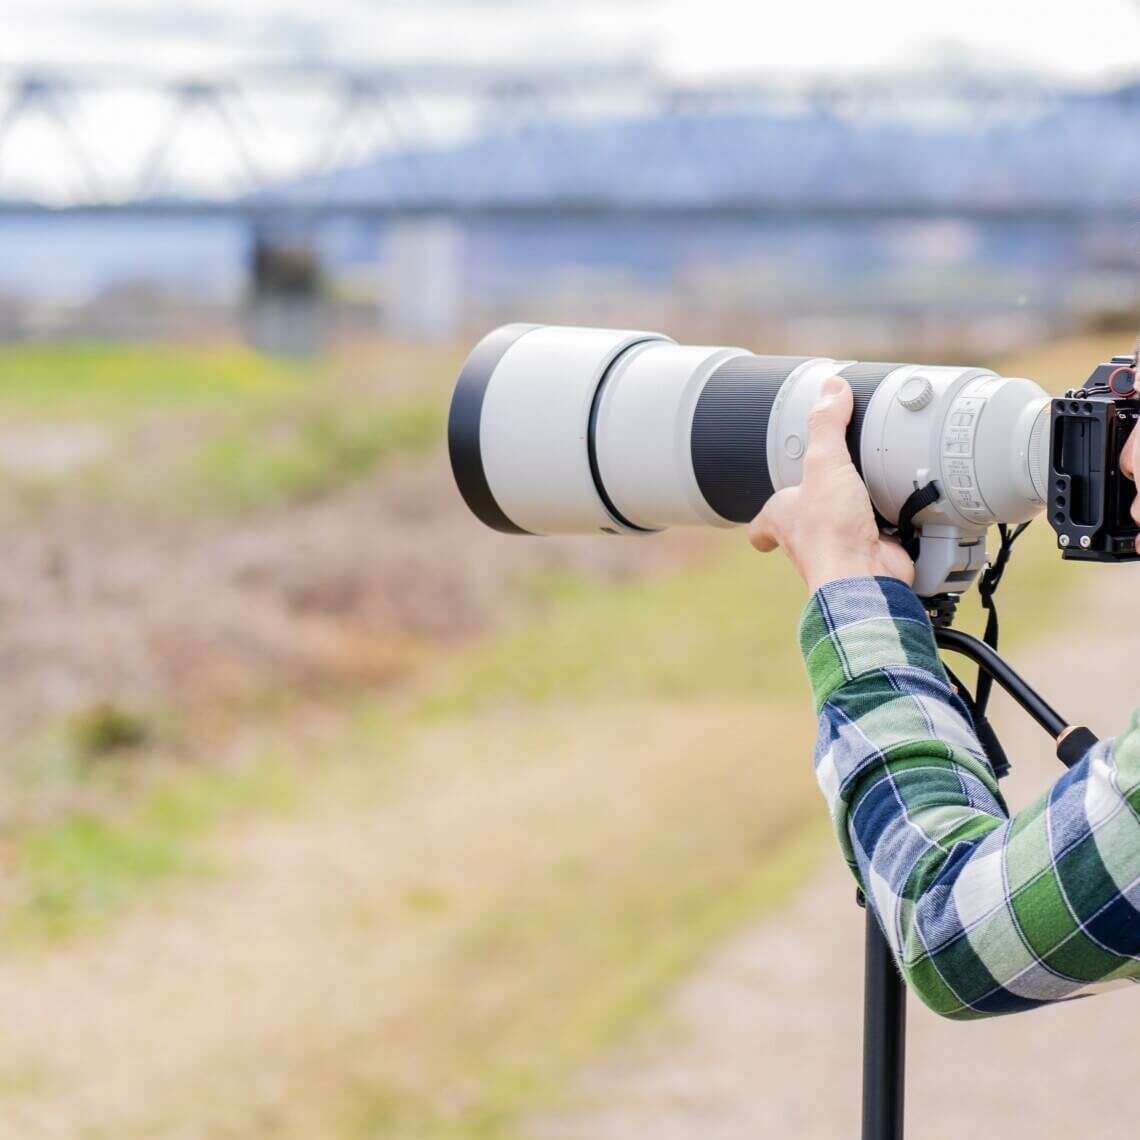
(826, 525)
(1130, 466)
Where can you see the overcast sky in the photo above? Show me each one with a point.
(1082, 40)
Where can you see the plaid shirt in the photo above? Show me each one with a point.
(985, 913)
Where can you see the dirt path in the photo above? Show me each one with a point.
(764, 1040)
(405, 943)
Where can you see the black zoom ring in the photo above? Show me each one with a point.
(730, 428)
(730, 433)
(864, 380)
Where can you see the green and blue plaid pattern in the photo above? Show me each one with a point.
(986, 914)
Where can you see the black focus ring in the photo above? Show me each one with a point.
(864, 379)
(729, 437)
(463, 425)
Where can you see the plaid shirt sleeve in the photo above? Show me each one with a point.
(986, 914)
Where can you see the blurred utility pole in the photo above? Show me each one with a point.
(285, 313)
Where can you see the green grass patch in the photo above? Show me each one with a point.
(109, 381)
(300, 454)
(201, 431)
(75, 873)
(107, 728)
(727, 626)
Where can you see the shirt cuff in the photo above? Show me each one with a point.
(855, 626)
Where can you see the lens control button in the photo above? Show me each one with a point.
(793, 447)
(916, 393)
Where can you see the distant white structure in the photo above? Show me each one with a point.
(422, 279)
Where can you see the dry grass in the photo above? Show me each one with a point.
(422, 956)
(471, 893)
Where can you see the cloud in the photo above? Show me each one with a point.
(692, 40)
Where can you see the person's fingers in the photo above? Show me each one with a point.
(1128, 457)
(827, 424)
(1128, 454)
(896, 561)
(766, 531)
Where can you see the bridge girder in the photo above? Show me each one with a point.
(395, 109)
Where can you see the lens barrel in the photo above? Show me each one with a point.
(557, 430)
(564, 430)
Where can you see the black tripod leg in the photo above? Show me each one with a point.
(884, 1039)
(884, 997)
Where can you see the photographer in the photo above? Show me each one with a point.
(985, 913)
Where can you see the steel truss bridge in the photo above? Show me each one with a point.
(135, 143)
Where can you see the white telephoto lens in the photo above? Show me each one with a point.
(571, 430)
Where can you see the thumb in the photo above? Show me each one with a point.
(827, 423)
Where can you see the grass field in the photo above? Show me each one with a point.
(220, 431)
(61, 382)
(433, 903)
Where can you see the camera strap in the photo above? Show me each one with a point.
(987, 587)
(918, 500)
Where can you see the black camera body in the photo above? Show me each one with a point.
(1090, 500)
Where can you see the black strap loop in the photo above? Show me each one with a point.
(917, 501)
(987, 587)
(987, 737)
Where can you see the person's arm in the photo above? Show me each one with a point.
(985, 914)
